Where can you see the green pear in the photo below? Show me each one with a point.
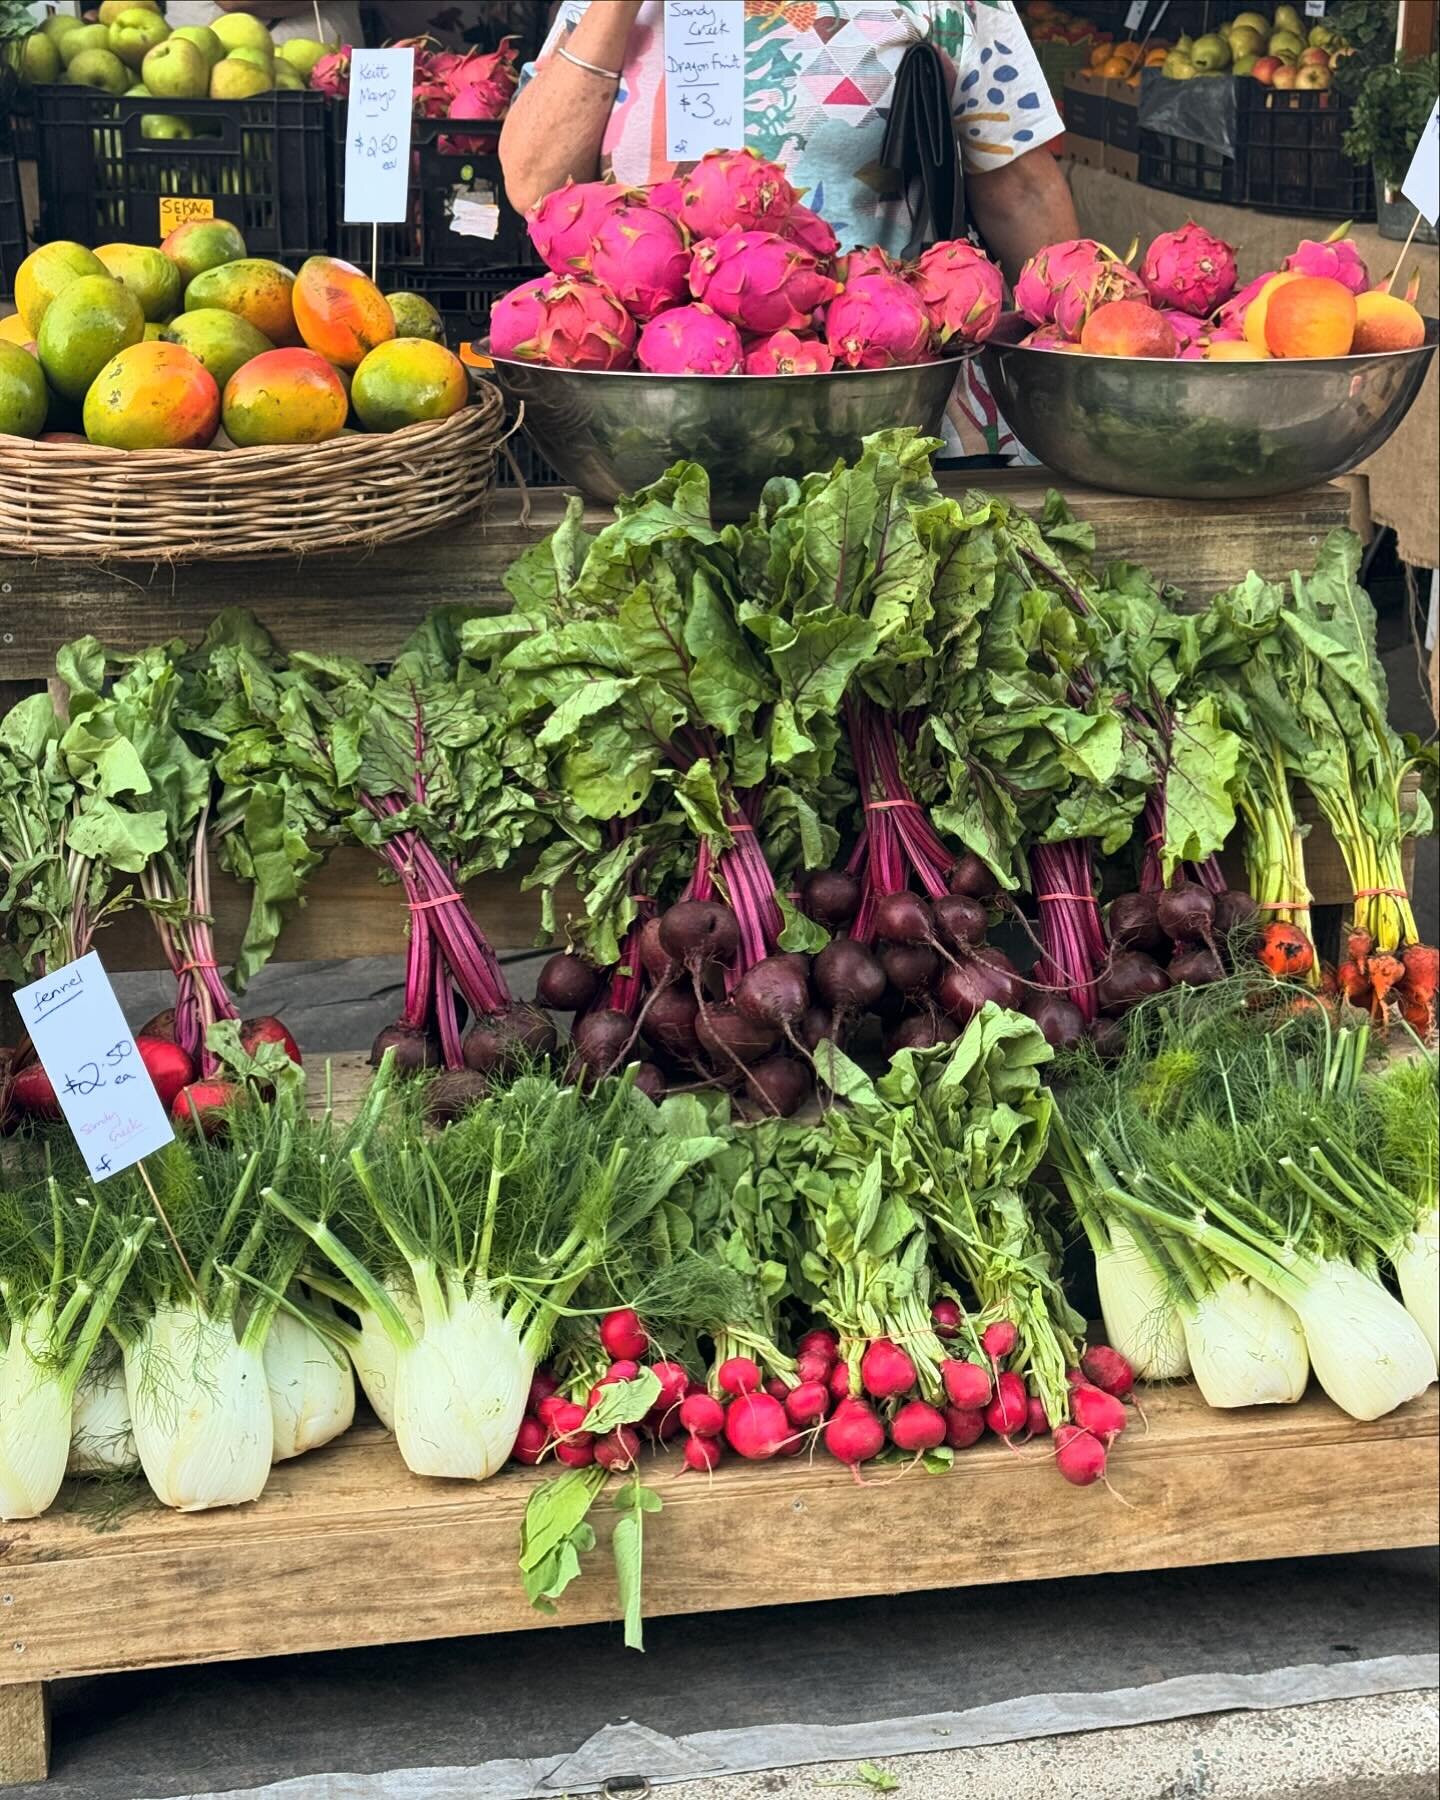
(177, 70)
(303, 53)
(232, 79)
(37, 60)
(99, 69)
(288, 80)
(204, 40)
(1286, 43)
(85, 37)
(240, 31)
(60, 25)
(1210, 52)
(110, 10)
(1287, 18)
(260, 59)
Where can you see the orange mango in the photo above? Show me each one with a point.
(340, 311)
(153, 396)
(1386, 322)
(284, 397)
(1313, 316)
(407, 380)
(1260, 305)
(255, 288)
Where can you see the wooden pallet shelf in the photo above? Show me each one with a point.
(347, 1548)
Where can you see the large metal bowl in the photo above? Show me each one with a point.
(1201, 430)
(610, 433)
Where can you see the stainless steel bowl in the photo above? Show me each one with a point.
(1198, 430)
(610, 433)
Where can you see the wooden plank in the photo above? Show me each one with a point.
(367, 604)
(347, 1548)
(24, 1732)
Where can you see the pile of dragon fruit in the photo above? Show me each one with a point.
(723, 271)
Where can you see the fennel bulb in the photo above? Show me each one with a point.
(1246, 1347)
(312, 1392)
(200, 1407)
(1370, 1356)
(1141, 1321)
(101, 1441)
(460, 1390)
(375, 1355)
(35, 1403)
(1417, 1265)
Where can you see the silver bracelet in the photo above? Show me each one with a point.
(589, 67)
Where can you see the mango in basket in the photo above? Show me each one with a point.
(414, 316)
(23, 399)
(14, 330)
(153, 396)
(201, 244)
(45, 272)
(255, 288)
(223, 341)
(407, 380)
(150, 276)
(84, 326)
(284, 397)
(340, 312)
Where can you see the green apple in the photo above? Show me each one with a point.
(303, 53)
(85, 37)
(99, 69)
(232, 79)
(204, 40)
(164, 125)
(1210, 52)
(177, 70)
(288, 80)
(259, 59)
(238, 31)
(136, 31)
(1286, 43)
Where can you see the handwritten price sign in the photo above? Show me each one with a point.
(377, 136)
(88, 1051)
(704, 77)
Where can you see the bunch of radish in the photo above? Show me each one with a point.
(1098, 1390)
(557, 1409)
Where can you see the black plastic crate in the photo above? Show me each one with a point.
(262, 163)
(1174, 165)
(1083, 107)
(441, 173)
(1289, 157)
(12, 214)
(1122, 124)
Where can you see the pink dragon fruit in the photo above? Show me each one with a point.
(759, 281)
(878, 322)
(1046, 337)
(868, 259)
(331, 74)
(568, 321)
(785, 354)
(563, 225)
(690, 340)
(734, 187)
(642, 255)
(1339, 261)
(1185, 325)
(1230, 319)
(809, 231)
(665, 197)
(961, 289)
(1189, 270)
(1108, 279)
(1050, 271)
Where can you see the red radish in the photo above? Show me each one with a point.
(703, 1453)
(548, 1410)
(886, 1371)
(853, 1434)
(32, 1094)
(167, 1065)
(813, 1365)
(839, 1383)
(778, 1389)
(625, 1369)
(159, 1025)
(674, 1382)
(755, 1426)
(1037, 1419)
(807, 1404)
(267, 1030)
(620, 1449)
(702, 1415)
(967, 1385)
(999, 1339)
(663, 1423)
(622, 1334)
(739, 1375)
(575, 1455)
(963, 1427)
(1079, 1456)
(542, 1385)
(568, 1420)
(205, 1103)
(822, 1338)
(1096, 1411)
(1108, 1369)
(946, 1318)
(1007, 1412)
(918, 1426)
(530, 1441)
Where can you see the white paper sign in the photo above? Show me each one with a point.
(88, 1051)
(704, 77)
(1135, 15)
(377, 136)
(1314, 9)
(1421, 186)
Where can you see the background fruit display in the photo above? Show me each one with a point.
(196, 345)
(1281, 50)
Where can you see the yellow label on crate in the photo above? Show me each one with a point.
(179, 209)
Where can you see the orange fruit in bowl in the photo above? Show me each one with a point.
(1128, 328)
(1313, 316)
(1235, 350)
(1255, 312)
(1386, 322)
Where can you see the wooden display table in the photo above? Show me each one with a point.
(346, 1547)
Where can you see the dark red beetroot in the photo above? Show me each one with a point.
(903, 918)
(567, 983)
(971, 876)
(1196, 968)
(1061, 1022)
(266, 1029)
(774, 993)
(921, 1031)
(780, 1084)
(960, 921)
(1237, 919)
(452, 1093)
(730, 1037)
(670, 1021)
(206, 1103)
(830, 897)
(414, 1051)
(159, 1025)
(1131, 977)
(507, 1040)
(981, 976)
(1107, 1036)
(1134, 924)
(847, 976)
(657, 964)
(699, 934)
(1186, 914)
(652, 1081)
(167, 1065)
(910, 969)
(32, 1095)
(816, 1025)
(600, 1039)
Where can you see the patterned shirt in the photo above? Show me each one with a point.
(818, 80)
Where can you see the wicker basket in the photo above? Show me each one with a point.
(82, 501)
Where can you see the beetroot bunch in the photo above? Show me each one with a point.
(723, 271)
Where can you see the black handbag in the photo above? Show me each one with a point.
(919, 153)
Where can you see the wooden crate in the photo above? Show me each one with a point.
(346, 1548)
